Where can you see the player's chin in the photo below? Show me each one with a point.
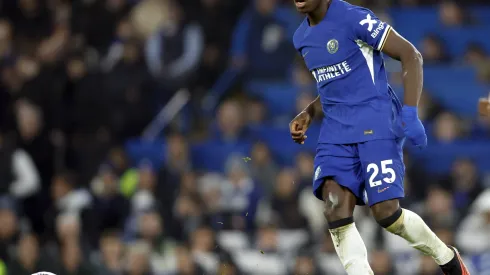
(303, 6)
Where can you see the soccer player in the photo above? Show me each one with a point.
(359, 156)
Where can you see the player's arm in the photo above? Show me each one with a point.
(302, 121)
(314, 107)
(400, 49)
(368, 28)
(381, 37)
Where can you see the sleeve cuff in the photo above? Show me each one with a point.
(384, 37)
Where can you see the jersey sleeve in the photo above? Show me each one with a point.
(369, 28)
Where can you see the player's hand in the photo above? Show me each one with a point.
(298, 127)
(412, 126)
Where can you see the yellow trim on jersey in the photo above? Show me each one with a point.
(385, 38)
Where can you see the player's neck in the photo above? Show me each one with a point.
(316, 16)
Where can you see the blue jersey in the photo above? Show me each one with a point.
(343, 52)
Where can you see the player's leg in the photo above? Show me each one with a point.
(339, 208)
(383, 163)
(338, 183)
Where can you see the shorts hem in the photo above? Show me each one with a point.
(317, 187)
(371, 204)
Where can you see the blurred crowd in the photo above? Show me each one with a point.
(79, 78)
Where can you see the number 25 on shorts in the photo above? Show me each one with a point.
(385, 170)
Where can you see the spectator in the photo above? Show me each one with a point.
(70, 207)
(96, 21)
(202, 247)
(304, 168)
(185, 264)
(67, 197)
(111, 208)
(151, 230)
(305, 264)
(427, 266)
(264, 31)
(217, 23)
(127, 87)
(284, 203)
(433, 50)
(257, 112)
(6, 39)
(72, 260)
(68, 228)
(473, 236)
(452, 15)
(327, 257)
(262, 167)
(138, 259)
(440, 209)
(230, 122)
(447, 128)
(111, 256)
(33, 137)
(240, 194)
(446, 235)
(9, 229)
(188, 214)
(29, 259)
(19, 176)
(465, 182)
(475, 54)
(267, 239)
(381, 263)
(174, 171)
(428, 107)
(228, 267)
(183, 43)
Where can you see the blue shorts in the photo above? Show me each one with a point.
(373, 170)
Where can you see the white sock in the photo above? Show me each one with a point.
(351, 250)
(412, 228)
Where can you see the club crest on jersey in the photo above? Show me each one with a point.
(333, 46)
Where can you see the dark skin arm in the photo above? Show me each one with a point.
(314, 107)
(302, 121)
(400, 49)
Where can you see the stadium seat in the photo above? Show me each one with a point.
(140, 149)
(454, 87)
(439, 158)
(279, 141)
(481, 14)
(270, 92)
(212, 155)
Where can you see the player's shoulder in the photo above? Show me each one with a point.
(299, 34)
(354, 13)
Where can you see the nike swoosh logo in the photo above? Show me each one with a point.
(382, 190)
(305, 53)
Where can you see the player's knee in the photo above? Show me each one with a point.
(338, 204)
(387, 213)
